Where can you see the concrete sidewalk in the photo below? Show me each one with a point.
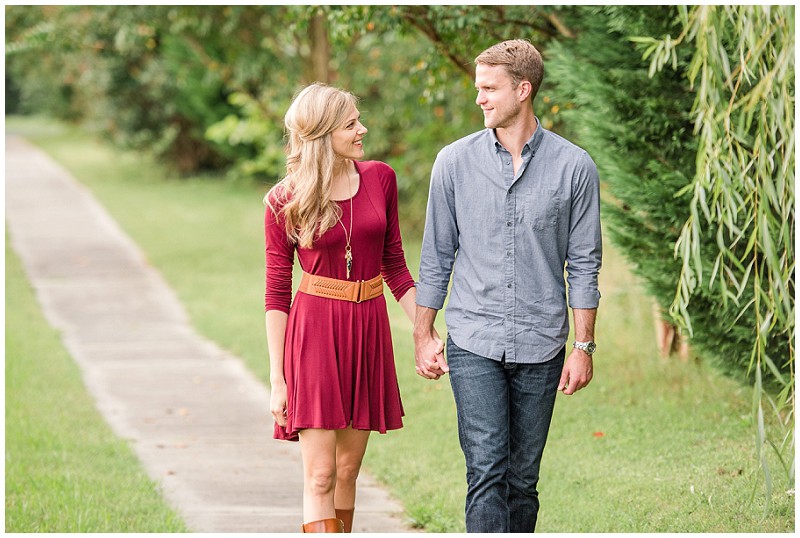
(196, 418)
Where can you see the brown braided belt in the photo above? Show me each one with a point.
(344, 290)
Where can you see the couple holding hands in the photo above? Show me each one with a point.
(509, 207)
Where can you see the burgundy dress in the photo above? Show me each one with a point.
(338, 358)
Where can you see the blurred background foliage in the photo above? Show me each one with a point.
(204, 88)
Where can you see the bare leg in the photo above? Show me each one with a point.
(318, 448)
(350, 447)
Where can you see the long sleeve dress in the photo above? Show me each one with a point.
(338, 359)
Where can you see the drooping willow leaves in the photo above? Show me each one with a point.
(742, 72)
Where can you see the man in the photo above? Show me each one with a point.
(509, 206)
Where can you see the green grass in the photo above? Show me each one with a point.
(65, 469)
(676, 452)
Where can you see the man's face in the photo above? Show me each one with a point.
(497, 96)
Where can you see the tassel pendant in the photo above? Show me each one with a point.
(348, 256)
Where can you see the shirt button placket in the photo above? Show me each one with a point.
(509, 269)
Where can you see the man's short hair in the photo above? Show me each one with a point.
(521, 60)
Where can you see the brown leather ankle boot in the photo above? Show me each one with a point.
(347, 518)
(324, 525)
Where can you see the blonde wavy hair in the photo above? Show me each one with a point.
(304, 195)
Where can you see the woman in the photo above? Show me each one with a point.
(331, 361)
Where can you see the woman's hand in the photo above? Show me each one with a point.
(277, 404)
(429, 356)
(428, 347)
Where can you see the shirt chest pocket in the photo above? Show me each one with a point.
(539, 208)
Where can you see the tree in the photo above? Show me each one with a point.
(158, 77)
(205, 87)
(710, 216)
(113, 63)
(636, 128)
(742, 67)
(427, 76)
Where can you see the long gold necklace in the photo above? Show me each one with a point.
(348, 252)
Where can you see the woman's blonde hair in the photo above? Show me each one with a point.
(305, 193)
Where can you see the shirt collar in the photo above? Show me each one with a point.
(532, 144)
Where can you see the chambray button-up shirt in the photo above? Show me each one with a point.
(506, 239)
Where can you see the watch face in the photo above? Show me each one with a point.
(590, 347)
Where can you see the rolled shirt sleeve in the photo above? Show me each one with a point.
(585, 246)
(440, 239)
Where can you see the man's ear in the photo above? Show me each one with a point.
(524, 89)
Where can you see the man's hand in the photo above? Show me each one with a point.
(428, 347)
(577, 372)
(429, 355)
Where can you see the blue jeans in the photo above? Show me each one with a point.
(504, 413)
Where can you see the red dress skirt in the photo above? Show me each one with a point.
(338, 359)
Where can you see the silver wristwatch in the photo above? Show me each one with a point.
(588, 347)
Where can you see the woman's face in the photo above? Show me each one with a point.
(347, 139)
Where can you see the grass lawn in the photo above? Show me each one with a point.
(649, 446)
(65, 469)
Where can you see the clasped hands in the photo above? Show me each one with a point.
(429, 355)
